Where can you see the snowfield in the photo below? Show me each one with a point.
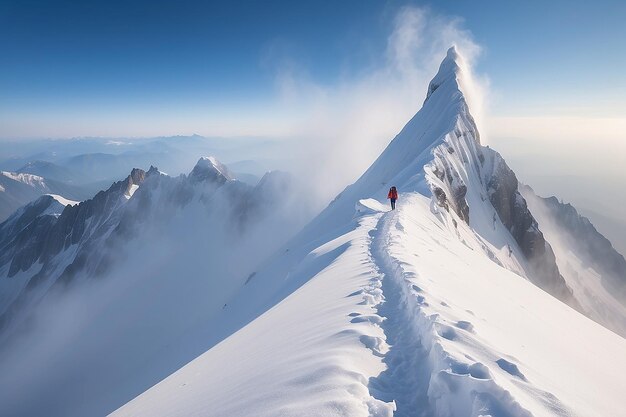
(403, 315)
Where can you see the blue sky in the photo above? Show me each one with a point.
(72, 68)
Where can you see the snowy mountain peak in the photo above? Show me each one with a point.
(208, 168)
(438, 155)
(449, 69)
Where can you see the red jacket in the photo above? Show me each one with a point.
(393, 193)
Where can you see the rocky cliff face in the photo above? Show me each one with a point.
(513, 211)
(36, 236)
(471, 180)
(461, 163)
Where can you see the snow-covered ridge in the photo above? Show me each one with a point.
(64, 201)
(397, 316)
(438, 154)
(449, 70)
(209, 168)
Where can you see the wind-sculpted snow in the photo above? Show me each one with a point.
(495, 345)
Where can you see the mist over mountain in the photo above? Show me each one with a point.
(86, 160)
(77, 169)
(20, 188)
(194, 239)
(585, 175)
(589, 262)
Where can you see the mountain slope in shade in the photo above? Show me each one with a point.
(18, 189)
(49, 170)
(452, 305)
(591, 266)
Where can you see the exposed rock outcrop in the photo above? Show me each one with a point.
(514, 214)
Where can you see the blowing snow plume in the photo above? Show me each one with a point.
(339, 130)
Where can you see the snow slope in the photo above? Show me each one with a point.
(402, 311)
(445, 307)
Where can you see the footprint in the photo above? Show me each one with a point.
(465, 325)
(479, 371)
(459, 367)
(446, 332)
(368, 300)
(373, 343)
(511, 368)
(374, 319)
(476, 370)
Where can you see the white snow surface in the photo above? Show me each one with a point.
(408, 313)
(399, 313)
(64, 201)
(131, 191)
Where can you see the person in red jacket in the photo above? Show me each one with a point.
(393, 196)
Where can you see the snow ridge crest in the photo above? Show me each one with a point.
(209, 168)
(448, 69)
